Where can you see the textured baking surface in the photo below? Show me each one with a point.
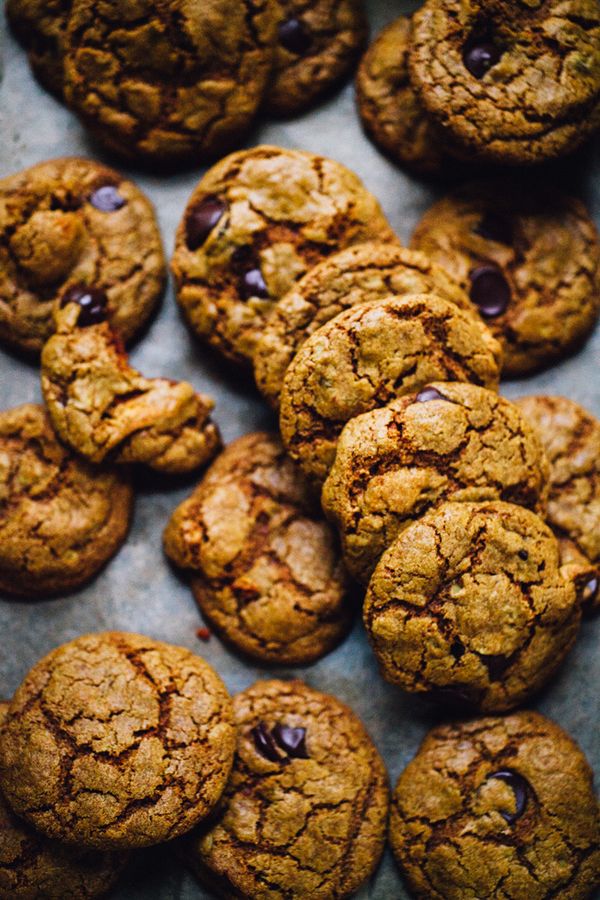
(137, 591)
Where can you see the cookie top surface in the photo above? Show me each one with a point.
(151, 81)
(60, 518)
(256, 222)
(305, 810)
(454, 442)
(529, 259)
(371, 354)
(516, 82)
(317, 42)
(40, 26)
(470, 602)
(497, 807)
(115, 740)
(266, 567)
(370, 271)
(74, 222)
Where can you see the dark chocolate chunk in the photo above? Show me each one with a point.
(490, 291)
(253, 284)
(201, 220)
(520, 788)
(589, 590)
(292, 740)
(496, 664)
(480, 55)
(523, 554)
(496, 227)
(429, 393)
(457, 649)
(93, 303)
(295, 36)
(264, 743)
(107, 198)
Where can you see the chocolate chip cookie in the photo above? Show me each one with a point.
(255, 224)
(369, 355)
(584, 574)
(266, 568)
(40, 27)
(497, 807)
(514, 82)
(115, 740)
(305, 810)
(470, 603)
(370, 271)
(166, 80)
(529, 259)
(104, 409)
(61, 519)
(74, 222)
(453, 442)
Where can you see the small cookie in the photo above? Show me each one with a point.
(497, 807)
(255, 224)
(529, 259)
(104, 409)
(453, 442)
(40, 27)
(117, 741)
(266, 567)
(74, 222)
(305, 810)
(470, 603)
(371, 354)
(370, 271)
(168, 80)
(584, 574)
(60, 518)
(514, 82)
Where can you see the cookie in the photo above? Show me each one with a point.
(40, 27)
(317, 44)
(454, 442)
(117, 741)
(74, 222)
(369, 355)
(304, 813)
(256, 222)
(104, 409)
(60, 518)
(497, 807)
(470, 603)
(150, 80)
(584, 574)
(514, 82)
(529, 259)
(370, 271)
(266, 569)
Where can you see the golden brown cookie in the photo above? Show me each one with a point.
(61, 519)
(470, 603)
(40, 26)
(104, 409)
(305, 811)
(529, 259)
(369, 355)
(454, 442)
(266, 568)
(497, 807)
(370, 271)
(75, 223)
(584, 574)
(514, 82)
(256, 222)
(115, 740)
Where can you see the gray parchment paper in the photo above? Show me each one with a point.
(138, 591)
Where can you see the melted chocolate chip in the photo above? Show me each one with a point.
(107, 198)
(429, 393)
(589, 590)
(523, 554)
(480, 55)
(92, 301)
(457, 649)
(520, 789)
(490, 291)
(295, 36)
(265, 745)
(496, 227)
(201, 220)
(253, 284)
(292, 740)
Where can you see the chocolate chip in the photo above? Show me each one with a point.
(292, 740)
(295, 36)
(496, 227)
(107, 198)
(496, 664)
(490, 291)
(92, 301)
(429, 393)
(589, 591)
(457, 649)
(520, 789)
(523, 554)
(253, 284)
(265, 745)
(201, 220)
(480, 56)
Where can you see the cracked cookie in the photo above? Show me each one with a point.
(168, 80)
(74, 222)
(497, 808)
(40, 27)
(514, 82)
(117, 741)
(370, 271)
(33, 867)
(528, 257)
(106, 410)
(369, 355)
(266, 569)
(470, 603)
(305, 810)
(256, 222)
(60, 518)
(454, 442)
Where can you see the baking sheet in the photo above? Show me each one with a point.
(138, 591)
